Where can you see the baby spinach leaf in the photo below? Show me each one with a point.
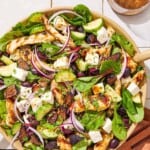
(32, 77)
(49, 49)
(84, 12)
(138, 117)
(110, 64)
(11, 81)
(118, 127)
(81, 145)
(78, 21)
(127, 102)
(84, 84)
(123, 42)
(93, 120)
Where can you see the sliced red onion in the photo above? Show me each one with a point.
(63, 12)
(66, 42)
(70, 58)
(76, 49)
(15, 110)
(67, 128)
(10, 146)
(95, 44)
(124, 64)
(78, 126)
(42, 64)
(3, 87)
(37, 133)
(39, 71)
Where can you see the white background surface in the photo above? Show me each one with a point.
(12, 11)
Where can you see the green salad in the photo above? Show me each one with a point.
(68, 81)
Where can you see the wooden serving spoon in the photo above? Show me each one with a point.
(139, 57)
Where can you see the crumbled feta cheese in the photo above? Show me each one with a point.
(133, 89)
(22, 105)
(48, 97)
(25, 92)
(20, 74)
(107, 125)
(61, 63)
(36, 102)
(92, 58)
(102, 35)
(98, 88)
(95, 136)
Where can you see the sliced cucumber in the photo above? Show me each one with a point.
(93, 25)
(7, 71)
(65, 75)
(6, 60)
(82, 65)
(77, 35)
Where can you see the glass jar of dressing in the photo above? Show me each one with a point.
(129, 7)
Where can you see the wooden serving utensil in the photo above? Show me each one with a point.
(139, 57)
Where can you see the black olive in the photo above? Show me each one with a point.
(111, 79)
(74, 139)
(114, 143)
(51, 145)
(80, 74)
(127, 72)
(91, 38)
(80, 29)
(26, 84)
(121, 111)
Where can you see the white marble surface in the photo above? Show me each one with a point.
(12, 11)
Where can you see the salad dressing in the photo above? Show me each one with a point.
(132, 4)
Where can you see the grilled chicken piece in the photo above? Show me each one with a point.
(94, 103)
(131, 64)
(10, 92)
(105, 51)
(57, 93)
(26, 40)
(11, 117)
(138, 77)
(118, 86)
(63, 143)
(104, 143)
(50, 29)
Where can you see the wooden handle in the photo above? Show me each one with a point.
(142, 56)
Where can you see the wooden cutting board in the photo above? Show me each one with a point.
(140, 138)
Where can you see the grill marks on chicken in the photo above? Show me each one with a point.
(51, 30)
(27, 40)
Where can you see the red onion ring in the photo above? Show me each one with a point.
(42, 64)
(39, 71)
(63, 12)
(124, 64)
(78, 126)
(66, 42)
(15, 110)
(37, 133)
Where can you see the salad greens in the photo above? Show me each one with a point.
(93, 120)
(78, 21)
(63, 76)
(49, 49)
(110, 64)
(81, 145)
(84, 84)
(118, 127)
(123, 42)
(134, 111)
